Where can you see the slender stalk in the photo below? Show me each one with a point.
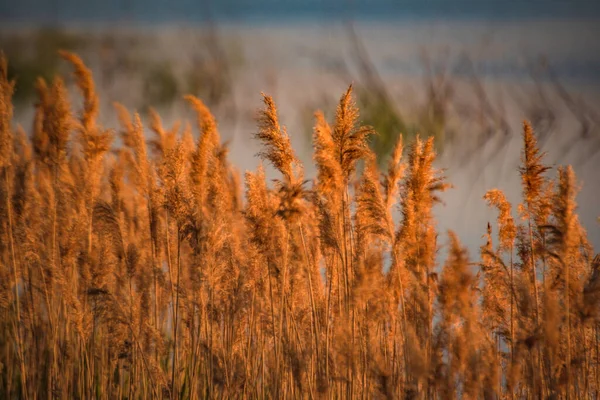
(535, 293)
(403, 317)
(283, 297)
(19, 336)
(174, 380)
(173, 302)
(327, 320)
(512, 318)
(311, 296)
(567, 274)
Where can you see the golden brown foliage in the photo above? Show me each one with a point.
(144, 273)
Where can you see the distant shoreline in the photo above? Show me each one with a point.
(570, 44)
(249, 21)
(124, 23)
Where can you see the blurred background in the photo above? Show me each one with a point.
(467, 72)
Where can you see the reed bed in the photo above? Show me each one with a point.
(149, 270)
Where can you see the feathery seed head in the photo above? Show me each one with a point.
(57, 122)
(277, 147)
(395, 171)
(349, 137)
(506, 225)
(329, 171)
(532, 169)
(85, 83)
(6, 111)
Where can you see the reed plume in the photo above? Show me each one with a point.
(278, 149)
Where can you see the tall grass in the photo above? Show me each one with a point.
(142, 270)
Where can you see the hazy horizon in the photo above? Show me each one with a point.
(59, 11)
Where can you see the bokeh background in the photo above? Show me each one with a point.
(468, 72)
